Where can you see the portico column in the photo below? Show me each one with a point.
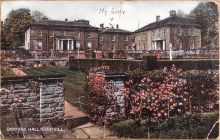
(163, 44)
(72, 45)
(61, 44)
(68, 44)
(155, 45)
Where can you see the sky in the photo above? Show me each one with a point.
(129, 15)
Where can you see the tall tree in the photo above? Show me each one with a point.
(37, 15)
(181, 13)
(206, 14)
(14, 26)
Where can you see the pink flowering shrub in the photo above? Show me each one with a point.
(155, 94)
(98, 97)
(164, 93)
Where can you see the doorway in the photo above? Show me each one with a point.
(65, 45)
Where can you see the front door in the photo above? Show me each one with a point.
(65, 45)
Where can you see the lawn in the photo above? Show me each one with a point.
(7, 72)
(74, 82)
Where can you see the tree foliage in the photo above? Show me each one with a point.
(206, 15)
(13, 28)
(38, 16)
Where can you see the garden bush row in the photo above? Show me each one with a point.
(157, 94)
(147, 63)
(196, 126)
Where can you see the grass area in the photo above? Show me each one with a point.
(74, 82)
(7, 72)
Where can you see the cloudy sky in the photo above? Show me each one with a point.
(128, 14)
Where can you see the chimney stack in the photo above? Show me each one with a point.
(66, 19)
(102, 25)
(117, 26)
(45, 18)
(157, 18)
(172, 13)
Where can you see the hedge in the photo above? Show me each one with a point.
(195, 126)
(148, 63)
(186, 64)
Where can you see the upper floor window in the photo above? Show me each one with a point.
(89, 35)
(126, 38)
(113, 37)
(179, 31)
(192, 32)
(63, 33)
(89, 45)
(101, 38)
(39, 32)
(51, 33)
(78, 34)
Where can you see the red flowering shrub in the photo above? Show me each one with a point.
(156, 94)
(100, 99)
(166, 93)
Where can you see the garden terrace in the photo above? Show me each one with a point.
(74, 81)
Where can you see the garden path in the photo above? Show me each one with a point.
(18, 72)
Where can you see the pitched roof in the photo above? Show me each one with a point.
(114, 30)
(58, 23)
(170, 21)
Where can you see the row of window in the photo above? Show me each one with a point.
(63, 33)
(78, 34)
(113, 38)
(38, 45)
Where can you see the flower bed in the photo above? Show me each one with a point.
(158, 94)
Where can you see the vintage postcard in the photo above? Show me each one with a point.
(109, 69)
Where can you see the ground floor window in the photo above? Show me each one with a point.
(37, 45)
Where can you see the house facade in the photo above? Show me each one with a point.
(113, 40)
(64, 37)
(182, 33)
(78, 38)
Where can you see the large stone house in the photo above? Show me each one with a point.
(113, 41)
(65, 37)
(182, 33)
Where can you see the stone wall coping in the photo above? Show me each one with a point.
(105, 59)
(37, 78)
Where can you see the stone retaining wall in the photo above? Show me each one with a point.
(41, 96)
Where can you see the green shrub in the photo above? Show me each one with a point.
(129, 129)
(7, 72)
(185, 127)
